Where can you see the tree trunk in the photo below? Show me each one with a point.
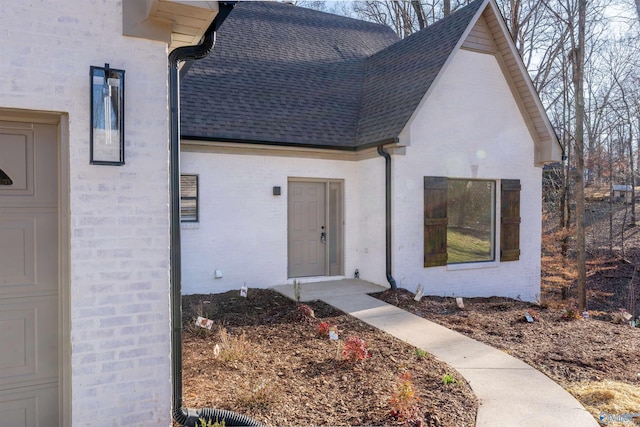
(417, 7)
(632, 178)
(610, 197)
(446, 7)
(578, 83)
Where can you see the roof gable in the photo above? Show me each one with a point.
(398, 77)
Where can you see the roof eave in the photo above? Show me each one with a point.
(348, 148)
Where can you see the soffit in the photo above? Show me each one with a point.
(178, 23)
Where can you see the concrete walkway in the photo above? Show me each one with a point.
(510, 392)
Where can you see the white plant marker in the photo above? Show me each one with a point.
(243, 290)
(333, 334)
(204, 322)
(460, 303)
(419, 293)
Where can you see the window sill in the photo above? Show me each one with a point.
(473, 265)
(189, 225)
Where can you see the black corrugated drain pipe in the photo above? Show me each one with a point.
(186, 416)
(387, 179)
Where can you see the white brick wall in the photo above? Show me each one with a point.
(470, 118)
(243, 227)
(118, 215)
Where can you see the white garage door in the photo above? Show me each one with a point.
(29, 369)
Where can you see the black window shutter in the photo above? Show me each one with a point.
(435, 221)
(510, 220)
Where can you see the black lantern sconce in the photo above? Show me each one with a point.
(107, 116)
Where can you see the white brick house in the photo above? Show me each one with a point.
(285, 174)
(84, 249)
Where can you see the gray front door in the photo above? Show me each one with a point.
(29, 337)
(315, 230)
(307, 229)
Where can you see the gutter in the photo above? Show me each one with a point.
(187, 416)
(348, 148)
(387, 174)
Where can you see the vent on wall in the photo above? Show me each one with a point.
(4, 178)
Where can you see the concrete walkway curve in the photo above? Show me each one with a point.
(510, 392)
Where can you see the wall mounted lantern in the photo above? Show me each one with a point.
(107, 116)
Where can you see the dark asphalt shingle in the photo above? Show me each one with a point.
(283, 74)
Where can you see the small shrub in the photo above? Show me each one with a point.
(570, 313)
(448, 379)
(403, 404)
(202, 422)
(296, 290)
(355, 349)
(304, 313)
(420, 353)
(323, 329)
(261, 396)
(233, 348)
(621, 316)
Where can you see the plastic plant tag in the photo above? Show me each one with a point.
(216, 351)
(419, 293)
(528, 317)
(204, 322)
(459, 302)
(243, 291)
(333, 334)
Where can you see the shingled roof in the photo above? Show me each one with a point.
(287, 75)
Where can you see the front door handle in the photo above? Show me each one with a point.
(323, 236)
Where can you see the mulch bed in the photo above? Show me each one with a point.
(591, 349)
(286, 374)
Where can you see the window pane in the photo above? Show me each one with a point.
(188, 210)
(189, 198)
(189, 186)
(470, 212)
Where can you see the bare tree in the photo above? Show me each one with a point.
(405, 16)
(577, 56)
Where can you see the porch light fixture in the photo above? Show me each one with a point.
(107, 116)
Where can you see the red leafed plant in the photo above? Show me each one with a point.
(404, 402)
(323, 328)
(355, 349)
(304, 313)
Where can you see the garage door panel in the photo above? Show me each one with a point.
(27, 267)
(16, 152)
(31, 326)
(30, 406)
(29, 163)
